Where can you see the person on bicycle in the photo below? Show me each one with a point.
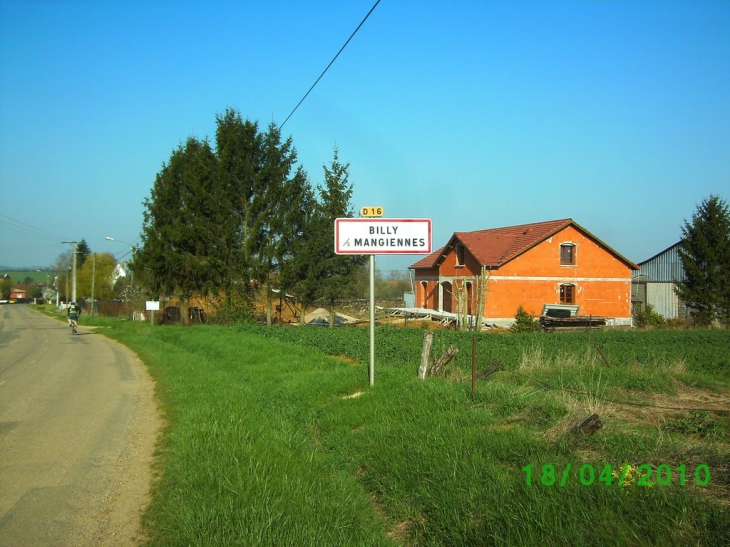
(73, 313)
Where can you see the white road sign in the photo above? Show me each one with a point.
(382, 236)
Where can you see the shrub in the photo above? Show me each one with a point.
(524, 321)
(648, 318)
(234, 307)
(675, 323)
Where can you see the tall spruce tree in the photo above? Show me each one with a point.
(300, 272)
(315, 271)
(239, 151)
(281, 221)
(336, 275)
(218, 220)
(705, 255)
(267, 193)
(295, 234)
(182, 252)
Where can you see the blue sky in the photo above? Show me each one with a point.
(475, 114)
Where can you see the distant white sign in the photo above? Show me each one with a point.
(152, 305)
(382, 236)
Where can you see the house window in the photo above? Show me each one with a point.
(459, 250)
(567, 294)
(567, 254)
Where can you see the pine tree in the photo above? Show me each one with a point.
(705, 255)
(336, 276)
(82, 253)
(297, 233)
(315, 271)
(238, 152)
(217, 221)
(181, 251)
(268, 200)
(280, 221)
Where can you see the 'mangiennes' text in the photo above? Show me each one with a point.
(390, 242)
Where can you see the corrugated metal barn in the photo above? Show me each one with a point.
(654, 282)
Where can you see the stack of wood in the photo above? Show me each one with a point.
(575, 321)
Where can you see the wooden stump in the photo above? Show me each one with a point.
(588, 426)
(494, 367)
(444, 360)
(428, 367)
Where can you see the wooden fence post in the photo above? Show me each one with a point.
(426, 355)
(473, 365)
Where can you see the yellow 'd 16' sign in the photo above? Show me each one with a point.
(371, 212)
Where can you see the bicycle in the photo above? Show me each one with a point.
(73, 314)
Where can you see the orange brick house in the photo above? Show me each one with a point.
(546, 265)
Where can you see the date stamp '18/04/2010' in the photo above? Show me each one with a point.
(625, 475)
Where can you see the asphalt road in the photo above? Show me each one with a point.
(78, 426)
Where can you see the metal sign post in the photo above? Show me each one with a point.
(371, 374)
(373, 236)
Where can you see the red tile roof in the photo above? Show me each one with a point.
(429, 261)
(497, 246)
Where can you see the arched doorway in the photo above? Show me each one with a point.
(469, 298)
(446, 296)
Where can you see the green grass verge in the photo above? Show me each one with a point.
(266, 444)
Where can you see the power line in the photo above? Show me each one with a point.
(20, 230)
(125, 255)
(26, 229)
(329, 65)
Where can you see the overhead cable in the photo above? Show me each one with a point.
(26, 229)
(329, 65)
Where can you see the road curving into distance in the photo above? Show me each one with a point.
(78, 426)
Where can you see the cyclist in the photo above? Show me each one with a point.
(73, 315)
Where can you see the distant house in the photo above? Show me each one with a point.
(547, 267)
(654, 283)
(17, 293)
(117, 274)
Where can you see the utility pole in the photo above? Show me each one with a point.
(73, 289)
(93, 280)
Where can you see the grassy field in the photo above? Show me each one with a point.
(19, 276)
(274, 437)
